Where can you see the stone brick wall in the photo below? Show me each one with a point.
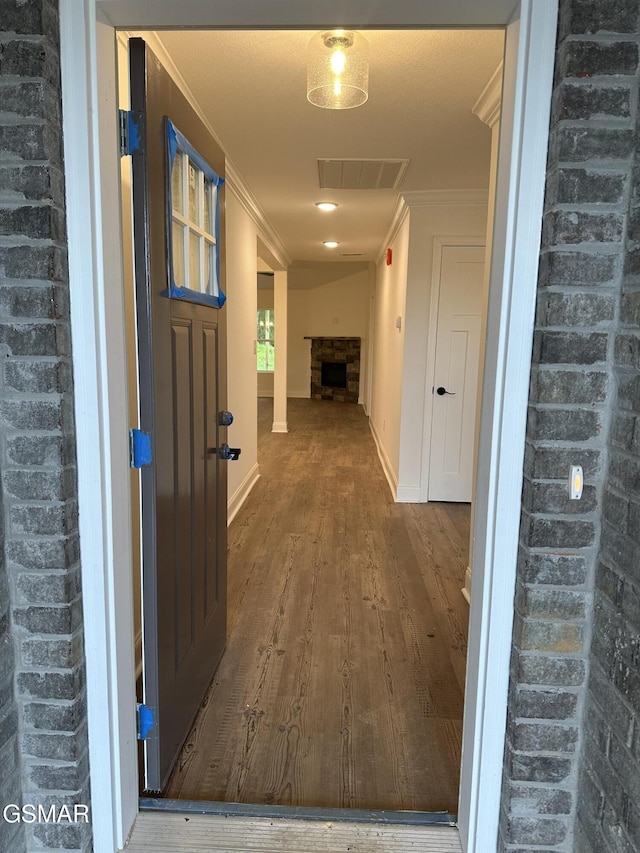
(37, 451)
(585, 233)
(609, 786)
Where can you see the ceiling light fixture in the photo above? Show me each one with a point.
(330, 244)
(338, 70)
(326, 205)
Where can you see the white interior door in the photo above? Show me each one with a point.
(455, 386)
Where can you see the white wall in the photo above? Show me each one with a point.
(241, 307)
(388, 352)
(400, 358)
(337, 309)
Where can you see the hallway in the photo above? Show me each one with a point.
(342, 682)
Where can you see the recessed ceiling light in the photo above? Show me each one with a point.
(330, 244)
(326, 205)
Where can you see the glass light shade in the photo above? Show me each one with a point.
(338, 70)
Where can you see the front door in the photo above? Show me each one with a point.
(179, 235)
(455, 387)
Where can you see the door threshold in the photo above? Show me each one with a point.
(319, 813)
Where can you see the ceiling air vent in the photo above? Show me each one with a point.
(361, 174)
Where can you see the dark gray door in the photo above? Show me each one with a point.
(182, 373)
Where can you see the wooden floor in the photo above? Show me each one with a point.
(342, 682)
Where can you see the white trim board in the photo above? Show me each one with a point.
(240, 495)
(93, 214)
(387, 467)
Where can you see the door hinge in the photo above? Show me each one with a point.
(145, 720)
(139, 448)
(129, 131)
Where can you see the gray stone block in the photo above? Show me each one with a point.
(21, 414)
(576, 309)
(42, 520)
(58, 619)
(577, 101)
(589, 17)
(553, 463)
(549, 670)
(27, 58)
(585, 59)
(546, 704)
(29, 18)
(532, 799)
(53, 777)
(36, 451)
(556, 604)
(545, 635)
(571, 386)
(30, 339)
(559, 533)
(587, 186)
(538, 737)
(536, 830)
(56, 716)
(35, 301)
(50, 685)
(539, 768)
(577, 144)
(52, 587)
(578, 268)
(62, 653)
(566, 424)
(573, 347)
(40, 221)
(45, 263)
(576, 226)
(557, 569)
(58, 747)
(554, 498)
(37, 485)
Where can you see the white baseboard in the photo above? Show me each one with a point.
(408, 494)
(389, 473)
(242, 493)
(300, 395)
(466, 591)
(266, 395)
(279, 426)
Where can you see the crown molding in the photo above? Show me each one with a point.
(233, 178)
(489, 102)
(438, 198)
(400, 213)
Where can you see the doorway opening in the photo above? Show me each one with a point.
(416, 642)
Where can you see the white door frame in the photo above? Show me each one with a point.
(439, 244)
(88, 57)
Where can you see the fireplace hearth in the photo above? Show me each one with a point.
(335, 369)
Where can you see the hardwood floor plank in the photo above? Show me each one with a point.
(342, 682)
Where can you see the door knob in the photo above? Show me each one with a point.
(442, 391)
(226, 452)
(225, 419)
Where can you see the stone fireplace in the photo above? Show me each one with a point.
(335, 369)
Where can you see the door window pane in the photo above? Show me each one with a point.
(177, 235)
(194, 261)
(194, 201)
(176, 183)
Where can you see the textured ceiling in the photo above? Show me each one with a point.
(422, 87)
